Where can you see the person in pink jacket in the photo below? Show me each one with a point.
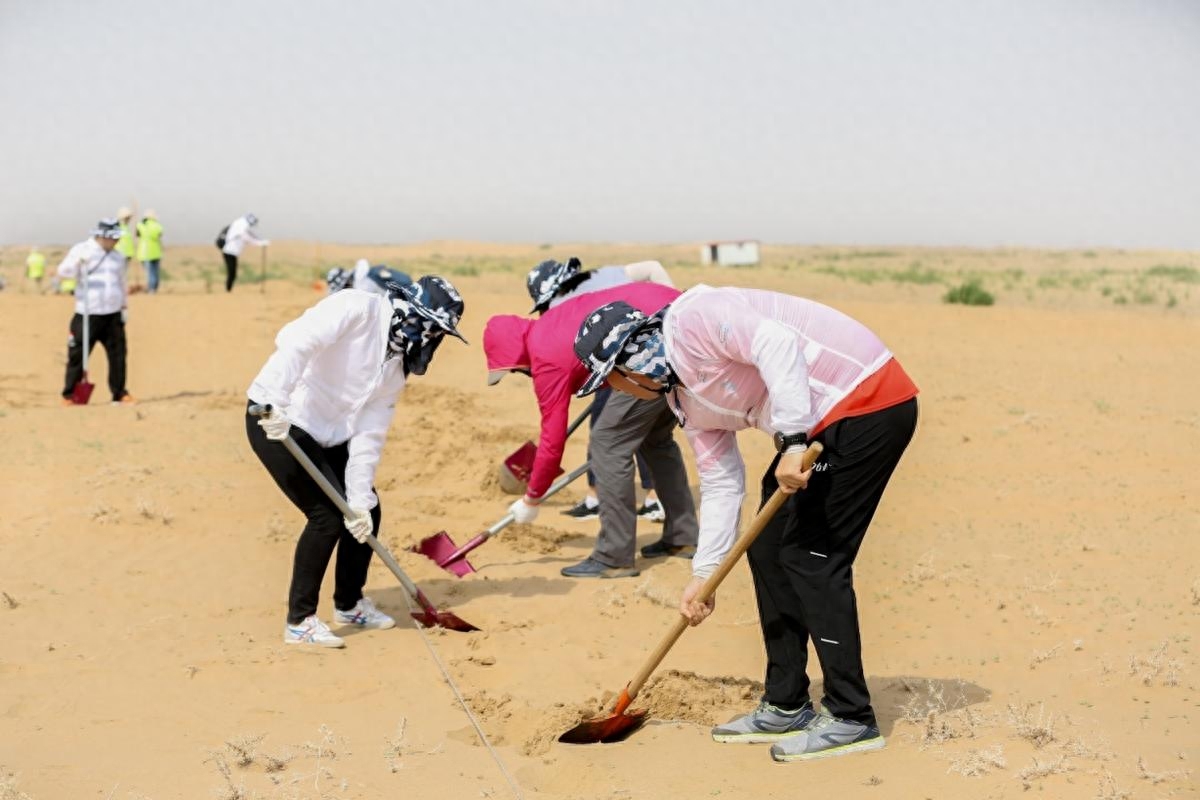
(729, 359)
(542, 348)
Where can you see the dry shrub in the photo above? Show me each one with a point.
(1040, 769)
(1037, 729)
(1038, 658)
(979, 762)
(1107, 788)
(940, 719)
(8, 786)
(1148, 668)
(1159, 777)
(244, 748)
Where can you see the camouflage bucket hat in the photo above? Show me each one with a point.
(601, 338)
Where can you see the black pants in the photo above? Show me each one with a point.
(110, 332)
(324, 530)
(803, 561)
(230, 270)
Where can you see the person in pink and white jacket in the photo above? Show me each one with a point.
(728, 359)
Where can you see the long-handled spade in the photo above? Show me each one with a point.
(442, 550)
(622, 722)
(516, 469)
(81, 392)
(428, 616)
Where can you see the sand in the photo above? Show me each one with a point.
(1029, 591)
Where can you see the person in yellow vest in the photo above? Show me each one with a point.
(149, 248)
(125, 243)
(35, 267)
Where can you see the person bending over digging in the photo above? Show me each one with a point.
(332, 384)
(542, 348)
(729, 359)
(552, 283)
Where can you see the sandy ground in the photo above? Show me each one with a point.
(1029, 591)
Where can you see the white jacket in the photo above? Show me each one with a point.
(239, 235)
(329, 375)
(102, 284)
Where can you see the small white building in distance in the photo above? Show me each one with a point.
(730, 254)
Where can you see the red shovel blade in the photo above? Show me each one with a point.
(520, 463)
(607, 730)
(82, 392)
(439, 548)
(443, 619)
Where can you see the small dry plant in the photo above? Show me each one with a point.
(1038, 729)
(230, 789)
(9, 600)
(1040, 769)
(1107, 788)
(244, 748)
(1043, 656)
(979, 762)
(8, 786)
(147, 510)
(940, 719)
(1148, 668)
(1160, 777)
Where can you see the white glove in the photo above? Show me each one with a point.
(124, 315)
(523, 512)
(275, 425)
(359, 525)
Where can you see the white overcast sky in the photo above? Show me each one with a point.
(1060, 123)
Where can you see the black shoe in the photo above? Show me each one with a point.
(582, 510)
(652, 511)
(660, 548)
(591, 568)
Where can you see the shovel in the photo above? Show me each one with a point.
(428, 616)
(440, 547)
(516, 469)
(81, 392)
(618, 726)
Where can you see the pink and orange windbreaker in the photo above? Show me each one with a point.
(748, 358)
(546, 348)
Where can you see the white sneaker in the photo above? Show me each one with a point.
(311, 631)
(364, 615)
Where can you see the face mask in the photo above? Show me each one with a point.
(646, 354)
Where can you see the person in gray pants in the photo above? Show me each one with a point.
(625, 427)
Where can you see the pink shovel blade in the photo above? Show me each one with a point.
(520, 463)
(438, 548)
(82, 392)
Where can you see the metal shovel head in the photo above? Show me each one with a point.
(520, 463)
(605, 731)
(82, 392)
(439, 547)
(443, 619)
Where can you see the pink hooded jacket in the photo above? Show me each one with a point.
(545, 347)
(748, 358)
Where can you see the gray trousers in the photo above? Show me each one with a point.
(628, 425)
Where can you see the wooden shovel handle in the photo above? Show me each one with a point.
(710, 586)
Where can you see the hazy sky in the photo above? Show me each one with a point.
(1057, 123)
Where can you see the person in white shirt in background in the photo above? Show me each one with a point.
(240, 233)
(98, 270)
(332, 384)
(552, 283)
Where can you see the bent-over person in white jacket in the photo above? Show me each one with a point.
(332, 384)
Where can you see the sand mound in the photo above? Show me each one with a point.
(688, 697)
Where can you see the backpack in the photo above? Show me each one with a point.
(221, 238)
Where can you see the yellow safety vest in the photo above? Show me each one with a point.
(36, 264)
(125, 243)
(149, 233)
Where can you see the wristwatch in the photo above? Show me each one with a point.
(785, 440)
